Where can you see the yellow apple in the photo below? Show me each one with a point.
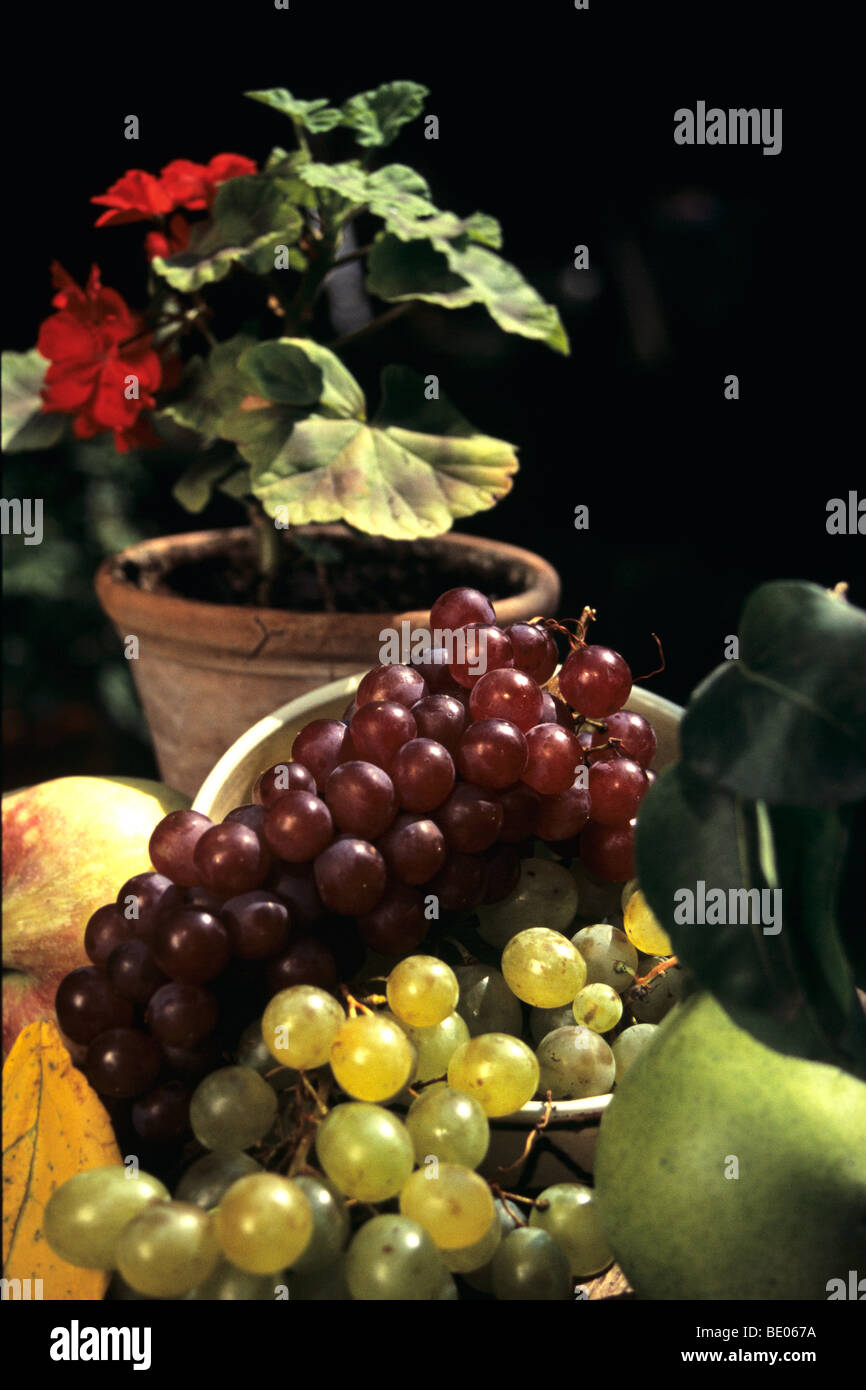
(69, 845)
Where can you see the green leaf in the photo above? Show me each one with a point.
(786, 722)
(793, 989)
(484, 229)
(314, 116)
(25, 424)
(413, 470)
(195, 489)
(440, 272)
(251, 215)
(213, 388)
(300, 372)
(237, 485)
(378, 116)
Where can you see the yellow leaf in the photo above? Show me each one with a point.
(54, 1126)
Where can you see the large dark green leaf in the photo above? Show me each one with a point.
(409, 473)
(787, 722)
(251, 216)
(398, 270)
(213, 387)
(314, 116)
(25, 425)
(195, 488)
(792, 989)
(378, 116)
(300, 372)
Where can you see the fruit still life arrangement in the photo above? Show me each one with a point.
(278, 1072)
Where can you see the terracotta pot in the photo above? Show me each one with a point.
(206, 671)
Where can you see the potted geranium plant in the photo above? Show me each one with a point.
(336, 500)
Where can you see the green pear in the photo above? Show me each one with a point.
(726, 1170)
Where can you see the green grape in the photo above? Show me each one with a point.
(529, 1264)
(571, 1218)
(475, 1257)
(543, 1021)
(486, 1004)
(206, 1181)
(643, 929)
(449, 1291)
(500, 1071)
(627, 890)
(300, 1024)
(422, 991)
(482, 1278)
(575, 1063)
(598, 1007)
(450, 1125)
(434, 1047)
(371, 1057)
(610, 957)
(326, 1285)
(330, 1224)
(393, 1257)
(365, 1151)
(264, 1223)
(661, 994)
(232, 1109)
(84, 1217)
(545, 896)
(630, 1043)
(453, 1204)
(229, 1282)
(168, 1250)
(543, 968)
(252, 1051)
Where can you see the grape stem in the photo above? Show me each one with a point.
(578, 637)
(530, 1138)
(641, 981)
(659, 669)
(466, 956)
(354, 1005)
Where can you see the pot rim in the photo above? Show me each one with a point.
(124, 601)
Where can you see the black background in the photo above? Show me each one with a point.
(560, 123)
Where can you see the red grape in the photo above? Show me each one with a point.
(521, 807)
(194, 1062)
(133, 971)
(442, 717)
(379, 729)
(361, 799)
(423, 774)
(413, 849)
(564, 815)
(350, 876)
(461, 884)
(257, 923)
(555, 711)
(181, 1015)
(457, 607)
(283, 777)
(433, 666)
(162, 1114)
(106, 929)
(595, 681)
(252, 816)
(122, 1062)
(617, 789)
(470, 819)
(298, 826)
(295, 885)
(191, 945)
(87, 1004)
(230, 859)
(636, 735)
(492, 753)
(394, 682)
(607, 851)
(534, 651)
(507, 694)
(143, 897)
(554, 753)
(397, 923)
(307, 961)
(503, 865)
(476, 650)
(318, 747)
(172, 846)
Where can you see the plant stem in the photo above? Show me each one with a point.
(269, 551)
(396, 312)
(353, 256)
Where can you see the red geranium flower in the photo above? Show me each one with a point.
(168, 244)
(140, 196)
(99, 355)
